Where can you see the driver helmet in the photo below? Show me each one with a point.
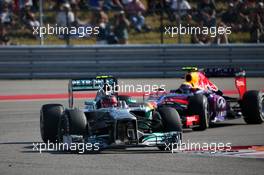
(109, 101)
(107, 89)
(186, 88)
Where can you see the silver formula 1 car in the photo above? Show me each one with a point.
(112, 124)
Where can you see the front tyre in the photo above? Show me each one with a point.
(171, 121)
(50, 115)
(77, 122)
(198, 105)
(252, 107)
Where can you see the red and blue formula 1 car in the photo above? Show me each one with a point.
(200, 103)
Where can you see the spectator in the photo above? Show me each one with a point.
(206, 12)
(257, 30)
(135, 10)
(261, 11)
(30, 19)
(74, 4)
(6, 15)
(181, 5)
(231, 17)
(24, 3)
(65, 16)
(16, 6)
(35, 5)
(205, 6)
(261, 16)
(112, 5)
(222, 38)
(155, 6)
(121, 25)
(96, 4)
(4, 38)
(237, 4)
(105, 5)
(200, 38)
(165, 6)
(111, 36)
(101, 20)
(243, 14)
(256, 25)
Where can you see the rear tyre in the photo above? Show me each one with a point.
(50, 115)
(171, 121)
(198, 105)
(252, 107)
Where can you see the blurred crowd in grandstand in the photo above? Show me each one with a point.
(117, 18)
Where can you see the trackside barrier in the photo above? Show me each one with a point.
(132, 61)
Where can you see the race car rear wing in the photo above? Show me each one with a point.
(89, 84)
(238, 73)
(214, 71)
(221, 72)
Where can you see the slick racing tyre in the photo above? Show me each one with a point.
(50, 115)
(77, 121)
(198, 105)
(171, 121)
(252, 107)
(156, 123)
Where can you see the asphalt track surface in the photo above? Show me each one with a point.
(19, 128)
